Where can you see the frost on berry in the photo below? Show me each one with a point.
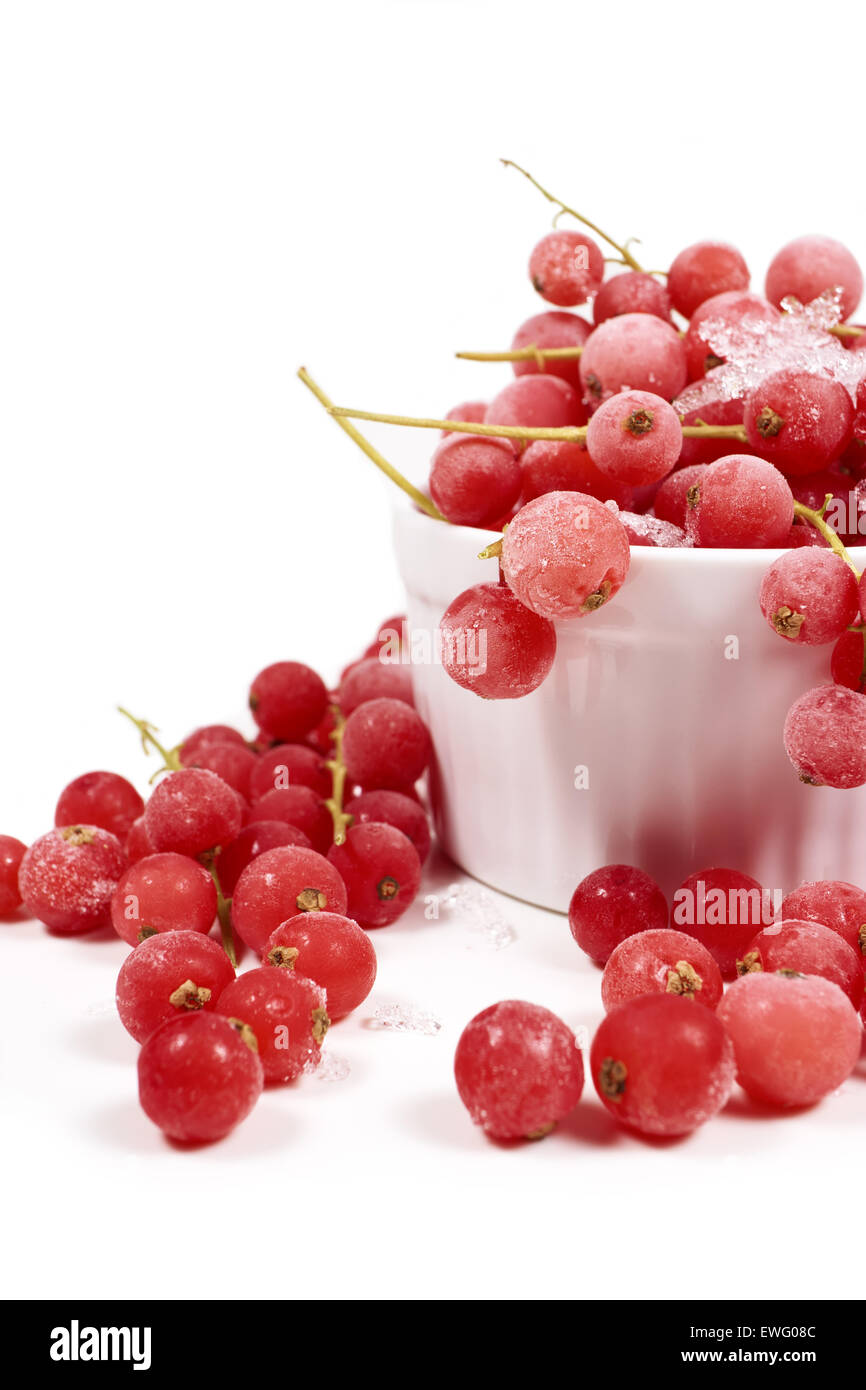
(518, 1070)
(564, 555)
(67, 878)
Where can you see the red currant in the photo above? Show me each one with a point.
(288, 700)
(331, 950)
(806, 948)
(298, 806)
(193, 811)
(167, 976)
(381, 870)
(661, 962)
(518, 1070)
(255, 839)
(68, 876)
(493, 645)
(100, 798)
(12, 852)
(277, 885)
(163, 893)
(198, 1077)
(393, 808)
(287, 1014)
(385, 744)
(612, 903)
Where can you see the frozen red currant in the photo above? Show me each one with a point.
(193, 811)
(557, 465)
(199, 1075)
(716, 318)
(385, 744)
(848, 661)
(286, 1012)
(825, 737)
(703, 270)
(661, 961)
(721, 908)
(277, 885)
(835, 904)
(372, 679)
(662, 1066)
(638, 352)
(233, 762)
(163, 893)
(796, 1037)
(474, 481)
(331, 950)
(806, 948)
(381, 870)
(169, 975)
(12, 852)
(537, 402)
(289, 765)
(288, 700)
(495, 646)
(740, 501)
(809, 266)
(565, 554)
(798, 421)
(671, 500)
(632, 292)
(393, 808)
(612, 903)
(553, 329)
(298, 806)
(810, 596)
(67, 878)
(100, 798)
(635, 437)
(707, 449)
(566, 267)
(518, 1070)
(255, 839)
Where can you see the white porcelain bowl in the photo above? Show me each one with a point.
(669, 702)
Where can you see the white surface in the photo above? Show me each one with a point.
(198, 198)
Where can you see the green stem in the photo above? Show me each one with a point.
(337, 768)
(148, 732)
(224, 913)
(627, 257)
(367, 448)
(568, 433)
(816, 519)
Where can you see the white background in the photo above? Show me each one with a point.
(197, 199)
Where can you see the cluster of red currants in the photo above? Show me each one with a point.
(259, 835)
(674, 1040)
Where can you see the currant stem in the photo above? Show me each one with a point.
(224, 913)
(816, 519)
(337, 768)
(524, 354)
(846, 330)
(568, 433)
(148, 732)
(627, 257)
(366, 447)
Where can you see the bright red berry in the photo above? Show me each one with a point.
(67, 878)
(233, 762)
(708, 268)
(331, 950)
(809, 266)
(393, 808)
(632, 292)
(298, 806)
(661, 961)
(662, 1066)
(372, 679)
(288, 700)
(289, 765)
(835, 904)
(12, 852)
(722, 909)
(100, 798)
(566, 267)
(474, 481)
(798, 421)
(565, 554)
(167, 976)
(381, 870)
(255, 839)
(193, 811)
(633, 351)
(848, 661)
(287, 1014)
(385, 744)
(810, 596)
(518, 1070)
(806, 948)
(611, 904)
(277, 885)
(495, 646)
(825, 737)
(198, 1077)
(553, 329)
(739, 501)
(163, 893)
(207, 735)
(635, 437)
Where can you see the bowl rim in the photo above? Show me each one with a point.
(648, 554)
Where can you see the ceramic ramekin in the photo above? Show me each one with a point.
(656, 740)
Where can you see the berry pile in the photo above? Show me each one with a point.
(295, 841)
(691, 411)
(674, 1040)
